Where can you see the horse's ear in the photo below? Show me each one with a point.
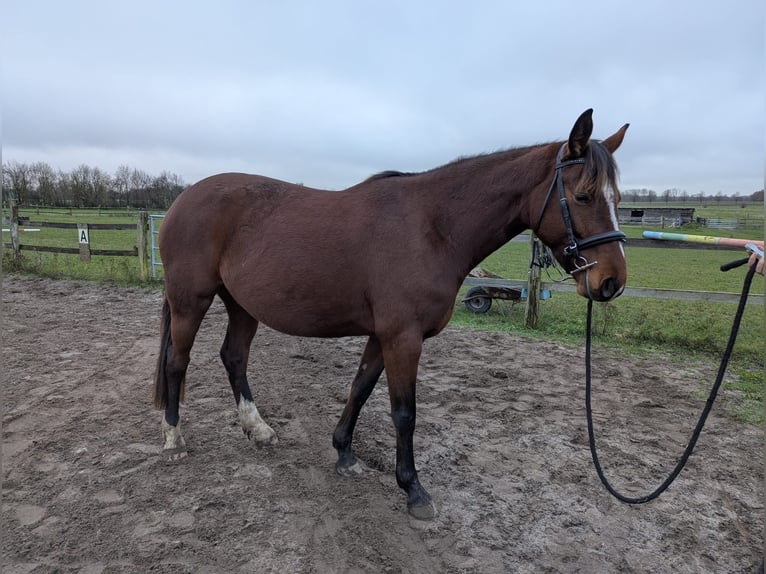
(580, 135)
(613, 141)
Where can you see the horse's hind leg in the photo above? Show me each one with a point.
(182, 322)
(234, 355)
(370, 368)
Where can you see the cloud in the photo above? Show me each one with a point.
(327, 93)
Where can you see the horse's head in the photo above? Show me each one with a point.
(582, 231)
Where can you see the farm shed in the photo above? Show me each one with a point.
(656, 215)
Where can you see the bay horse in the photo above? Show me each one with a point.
(384, 259)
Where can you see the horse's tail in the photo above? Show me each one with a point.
(160, 377)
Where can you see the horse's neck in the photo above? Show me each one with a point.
(484, 206)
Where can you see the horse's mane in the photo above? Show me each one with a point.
(460, 160)
(389, 173)
(600, 168)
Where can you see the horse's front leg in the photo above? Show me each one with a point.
(401, 356)
(370, 368)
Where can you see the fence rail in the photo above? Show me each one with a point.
(83, 229)
(146, 251)
(645, 292)
(76, 251)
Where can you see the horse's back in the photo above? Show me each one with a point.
(278, 248)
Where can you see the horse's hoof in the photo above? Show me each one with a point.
(175, 445)
(174, 454)
(262, 435)
(425, 511)
(352, 471)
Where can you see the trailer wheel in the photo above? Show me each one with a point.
(477, 301)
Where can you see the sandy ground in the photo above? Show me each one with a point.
(501, 444)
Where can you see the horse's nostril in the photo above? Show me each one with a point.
(608, 288)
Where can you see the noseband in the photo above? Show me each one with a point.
(574, 262)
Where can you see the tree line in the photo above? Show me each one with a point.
(681, 196)
(85, 186)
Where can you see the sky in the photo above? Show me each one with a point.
(326, 93)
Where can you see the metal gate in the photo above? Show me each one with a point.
(154, 231)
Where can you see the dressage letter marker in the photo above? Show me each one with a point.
(83, 239)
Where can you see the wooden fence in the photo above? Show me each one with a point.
(84, 250)
(534, 285)
(145, 252)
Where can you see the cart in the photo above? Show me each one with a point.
(479, 298)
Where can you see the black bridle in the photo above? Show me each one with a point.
(574, 261)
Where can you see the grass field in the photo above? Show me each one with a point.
(120, 270)
(684, 329)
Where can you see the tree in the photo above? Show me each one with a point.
(137, 190)
(45, 181)
(87, 186)
(64, 189)
(719, 197)
(121, 185)
(17, 181)
(90, 186)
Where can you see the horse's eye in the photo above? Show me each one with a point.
(582, 198)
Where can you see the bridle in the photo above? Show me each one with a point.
(574, 261)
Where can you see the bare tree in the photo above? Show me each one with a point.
(17, 181)
(45, 180)
(121, 185)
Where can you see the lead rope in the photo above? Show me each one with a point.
(703, 417)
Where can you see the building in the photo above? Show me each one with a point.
(665, 216)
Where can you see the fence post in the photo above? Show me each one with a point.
(533, 286)
(14, 222)
(142, 228)
(83, 238)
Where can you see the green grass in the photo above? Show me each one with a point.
(113, 269)
(117, 270)
(691, 329)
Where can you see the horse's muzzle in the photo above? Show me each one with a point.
(610, 288)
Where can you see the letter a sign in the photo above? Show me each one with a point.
(82, 233)
(82, 238)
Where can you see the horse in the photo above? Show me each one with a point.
(383, 259)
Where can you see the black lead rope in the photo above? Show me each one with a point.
(703, 417)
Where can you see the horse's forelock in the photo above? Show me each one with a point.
(600, 171)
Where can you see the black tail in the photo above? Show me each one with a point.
(160, 378)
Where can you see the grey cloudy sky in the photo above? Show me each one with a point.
(327, 93)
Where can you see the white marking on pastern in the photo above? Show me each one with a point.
(174, 440)
(253, 425)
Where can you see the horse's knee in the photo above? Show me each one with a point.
(403, 418)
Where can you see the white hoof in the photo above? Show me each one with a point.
(355, 470)
(175, 445)
(254, 426)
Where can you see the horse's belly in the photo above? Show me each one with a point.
(307, 319)
(305, 307)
